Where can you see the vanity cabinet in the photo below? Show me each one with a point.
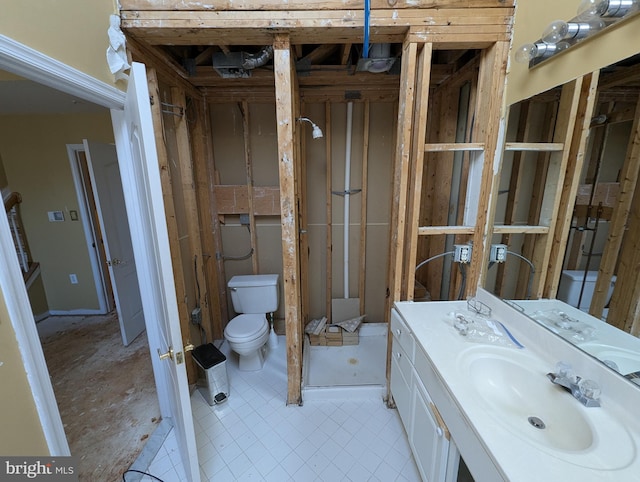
(435, 455)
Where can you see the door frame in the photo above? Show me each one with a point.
(83, 192)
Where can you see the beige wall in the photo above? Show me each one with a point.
(34, 154)
(73, 32)
(19, 422)
(532, 16)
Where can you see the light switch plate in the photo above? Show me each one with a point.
(55, 216)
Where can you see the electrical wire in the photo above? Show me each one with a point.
(140, 472)
(239, 258)
(422, 263)
(463, 284)
(532, 271)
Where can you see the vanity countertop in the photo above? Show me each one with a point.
(477, 426)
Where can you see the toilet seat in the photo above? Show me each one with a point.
(246, 327)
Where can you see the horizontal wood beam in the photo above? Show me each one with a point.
(456, 25)
(323, 5)
(234, 199)
(534, 146)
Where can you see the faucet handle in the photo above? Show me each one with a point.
(589, 389)
(565, 370)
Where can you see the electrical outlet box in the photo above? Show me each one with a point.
(74, 279)
(245, 219)
(196, 316)
(498, 253)
(462, 253)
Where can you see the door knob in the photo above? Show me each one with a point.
(164, 356)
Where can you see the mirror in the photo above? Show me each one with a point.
(526, 206)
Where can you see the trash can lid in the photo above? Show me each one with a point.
(207, 355)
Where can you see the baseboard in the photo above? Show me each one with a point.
(77, 312)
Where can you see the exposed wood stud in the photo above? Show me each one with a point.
(400, 182)
(286, 128)
(362, 272)
(558, 161)
(575, 162)
(535, 206)
(167, 195)
(515, 183)
(209, 227)
(489, 126)
(628, 181)
(415, 186)
(191, 210)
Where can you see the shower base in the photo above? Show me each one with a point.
(347, 372)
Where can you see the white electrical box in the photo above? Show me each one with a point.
(462, 253)
(498, 253)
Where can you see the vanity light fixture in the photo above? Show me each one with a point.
(606, 9)
(559, 30)
(592, 16)
(317, 132)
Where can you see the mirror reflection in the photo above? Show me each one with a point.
(593, 213)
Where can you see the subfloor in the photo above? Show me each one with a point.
(256, 436)
(105, 391)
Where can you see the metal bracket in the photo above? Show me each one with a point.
(172, 107)
(348, 191)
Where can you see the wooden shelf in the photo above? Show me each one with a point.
(454, 146)
(435, 230)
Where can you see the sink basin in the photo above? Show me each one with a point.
(527, 401)
(514, 390)
(628, 361)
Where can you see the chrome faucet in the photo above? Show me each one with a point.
(584, 390)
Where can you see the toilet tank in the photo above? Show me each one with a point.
(254, 293)
(571, 284)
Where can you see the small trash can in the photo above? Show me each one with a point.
(213, 382)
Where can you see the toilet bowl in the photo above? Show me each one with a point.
(247, 335)
(253, 296)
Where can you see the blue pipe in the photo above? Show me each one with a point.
(367, 11)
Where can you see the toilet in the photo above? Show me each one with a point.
(571, 284)
(253, 296)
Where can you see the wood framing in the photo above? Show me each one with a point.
(554, 182)
(417, 167)
(174, 238)
(490, 119)
(286, 115)
(575, 162)
(628, 181)
(202, 153)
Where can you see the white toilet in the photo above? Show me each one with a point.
(571, 284)
(254, 296)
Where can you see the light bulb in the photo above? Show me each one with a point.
(560, 30)
(528, 52)
(589, 9)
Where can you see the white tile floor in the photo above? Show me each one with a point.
(255, 436)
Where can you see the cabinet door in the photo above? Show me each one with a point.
(428, 436)
(401, 381)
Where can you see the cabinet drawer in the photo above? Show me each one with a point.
(401, 332)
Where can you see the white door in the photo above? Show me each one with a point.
(137, 155)
(102, 161)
